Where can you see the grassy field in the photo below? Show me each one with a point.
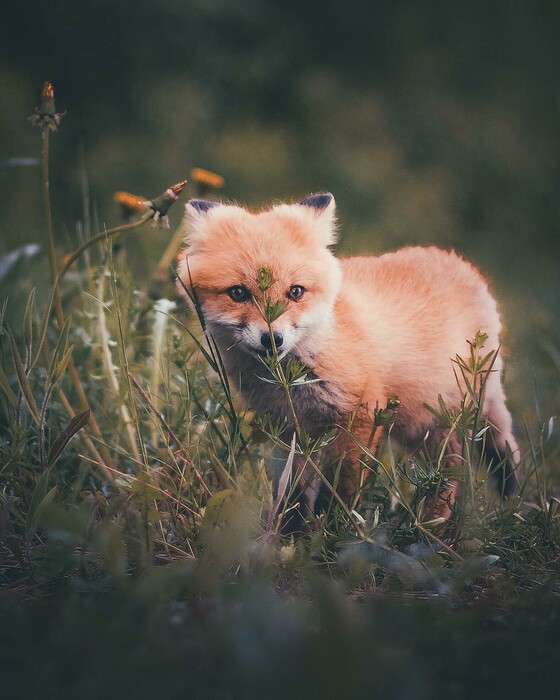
(142, 547)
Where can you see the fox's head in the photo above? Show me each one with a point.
(247, 270)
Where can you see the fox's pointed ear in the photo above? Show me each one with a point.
(200, 206)
(322, 207)
(319, 201)
(197, 218)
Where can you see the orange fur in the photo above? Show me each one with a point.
(369, 328)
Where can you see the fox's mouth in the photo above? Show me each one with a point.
(261, 353)
(265, 353)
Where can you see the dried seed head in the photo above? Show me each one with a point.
(161, 204)
(46, 115)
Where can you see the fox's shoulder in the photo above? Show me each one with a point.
(408, 256)
(413, 263)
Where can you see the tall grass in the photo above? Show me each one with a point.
(128, 465)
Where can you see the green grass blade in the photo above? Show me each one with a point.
(28, 323)
(23, 380)
(40, 499)
(6, 388)
(75, 424)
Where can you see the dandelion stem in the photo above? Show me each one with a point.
(169, 253)
(48, 220)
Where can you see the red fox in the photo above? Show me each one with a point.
(368, 328)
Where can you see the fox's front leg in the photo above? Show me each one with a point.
(314, 478)
(354, 449)
(348, 454)
(297, 484)
(442, 503)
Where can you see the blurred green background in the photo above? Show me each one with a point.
(431, 122)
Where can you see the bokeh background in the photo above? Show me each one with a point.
(431, 122)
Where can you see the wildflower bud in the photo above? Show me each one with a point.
(46, 115)
(206, 181)
(161, 204)
(47, 99)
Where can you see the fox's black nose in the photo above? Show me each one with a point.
(267, 342)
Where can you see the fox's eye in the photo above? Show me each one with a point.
(295, 292)
(238, 293)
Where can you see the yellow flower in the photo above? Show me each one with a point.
(129, 202)
(206, 181)
(130, 205)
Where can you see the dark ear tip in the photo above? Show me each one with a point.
(319, 201)
(201, 205)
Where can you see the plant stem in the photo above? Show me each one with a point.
(169, 253)
(110, 372)
(48, 219)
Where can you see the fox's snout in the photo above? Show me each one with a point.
(256, 340)
(266, 340)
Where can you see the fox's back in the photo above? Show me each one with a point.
(415, 293)
(420, 307)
